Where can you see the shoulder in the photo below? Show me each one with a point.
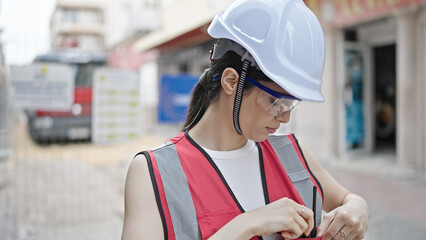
(137, 176)
(310, 157)
(291, 141)
(141, 217)
(333, 192)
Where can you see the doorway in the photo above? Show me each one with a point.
(385, 97)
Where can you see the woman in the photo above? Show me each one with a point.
(225, 176)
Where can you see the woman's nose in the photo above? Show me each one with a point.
(283, 117)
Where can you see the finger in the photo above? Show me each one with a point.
(326, 221)
(306, 221)
(346, 233)
(289, 235)
(310, 221)
(353, 233)
(295, 228)
(302, 223)
(333, 230)
(293, 232)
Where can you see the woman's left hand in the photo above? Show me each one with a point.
(347, 222)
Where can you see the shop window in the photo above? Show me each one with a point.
(351, 35)
(183, 67)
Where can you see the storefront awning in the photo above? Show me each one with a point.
(173, 39)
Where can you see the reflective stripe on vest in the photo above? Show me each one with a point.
(178, 196)
(296, 171)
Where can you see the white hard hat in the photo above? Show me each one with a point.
(283, 36)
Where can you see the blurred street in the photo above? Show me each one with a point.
(65, 191)
(75, 191)
(396, 199)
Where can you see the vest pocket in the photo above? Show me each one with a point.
(299, 176)
(211, 222)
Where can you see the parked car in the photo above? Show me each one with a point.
(47, 126)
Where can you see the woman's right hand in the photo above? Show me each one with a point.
(284, 216)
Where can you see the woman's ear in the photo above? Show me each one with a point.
(229, 81)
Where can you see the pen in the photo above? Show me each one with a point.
(314, 208)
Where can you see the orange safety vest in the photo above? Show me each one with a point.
(194, 199)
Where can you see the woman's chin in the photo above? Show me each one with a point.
(260, 137)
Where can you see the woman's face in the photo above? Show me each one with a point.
(256, 124)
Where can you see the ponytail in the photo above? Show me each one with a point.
(199, 100)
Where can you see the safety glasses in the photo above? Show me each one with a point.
(273, 102)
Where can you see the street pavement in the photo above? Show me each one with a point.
(75, 191)
(396, 197)
(65, 191)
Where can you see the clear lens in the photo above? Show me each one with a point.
(275, 106)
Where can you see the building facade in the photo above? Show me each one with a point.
(6, 122)
(374, 80)
(78, 24)
(5, 112)
(125, 19)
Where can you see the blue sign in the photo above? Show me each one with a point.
(175, 95)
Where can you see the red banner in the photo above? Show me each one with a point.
(341, 13)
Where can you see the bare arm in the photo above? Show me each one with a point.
(141, 217)
(348, 212)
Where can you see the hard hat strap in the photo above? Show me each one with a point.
(239, 96)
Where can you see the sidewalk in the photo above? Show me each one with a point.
(66, 191)
(396, 196)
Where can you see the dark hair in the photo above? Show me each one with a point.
(207, 89)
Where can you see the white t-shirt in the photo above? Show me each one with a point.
(241, 170)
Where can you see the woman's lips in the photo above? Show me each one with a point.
(271, 130)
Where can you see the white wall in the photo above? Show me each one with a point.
(406, 84)
(115, 22)
(125, 17)
(421, 91)
(149, 93)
